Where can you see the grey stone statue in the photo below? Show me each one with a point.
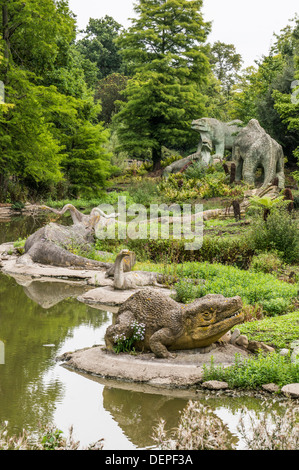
(170, 325)
(254, 149)
(215, 135)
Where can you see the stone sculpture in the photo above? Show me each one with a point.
(134, 279)
(170, 325)
(55, 244)
(215, 135)
(254, 149)
(179, 165)
(90, 221)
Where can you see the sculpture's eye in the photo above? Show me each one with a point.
(208, 316)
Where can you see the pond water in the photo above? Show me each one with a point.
(40, 321)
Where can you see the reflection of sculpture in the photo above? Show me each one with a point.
(47, 294)
(169, 324)
(215, 135)
(254, 149)
(134, 279)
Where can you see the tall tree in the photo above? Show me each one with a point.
(226, 64)
(98, 45)
(164, 49)
(263, 88)
(50, 104)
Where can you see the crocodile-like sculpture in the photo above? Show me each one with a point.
(170, 325)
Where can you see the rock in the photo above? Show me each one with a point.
(214, 385)
(235, 335)
(255, 346)
(242, 341)
(284, 352)
(272, 388)
(225, 338)
(295, 355)
(294, 344)
(291, 390)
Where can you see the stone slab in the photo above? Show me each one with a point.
(185, 370)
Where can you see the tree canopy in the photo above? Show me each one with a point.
(165, 52)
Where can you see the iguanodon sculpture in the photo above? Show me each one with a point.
(253, 149)
(170, 325)
(216, 135)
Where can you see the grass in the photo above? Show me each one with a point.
(274, 296)
(278, 332)
(254, 372)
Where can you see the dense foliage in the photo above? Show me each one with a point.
(74, 97)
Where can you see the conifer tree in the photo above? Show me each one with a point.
(164, 49)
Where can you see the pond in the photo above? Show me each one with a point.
(42, 320)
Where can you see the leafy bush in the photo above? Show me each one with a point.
(279, 331)
(280, 232)
(266, 262)
(199, 429)
(47, 438)
(254, 288)
(255, 372)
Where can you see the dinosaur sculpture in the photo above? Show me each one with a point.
(56, 244)
(253, 149)
(170, 325)
(91, 221)
(178, 165)
(216, 135)
(132, 279)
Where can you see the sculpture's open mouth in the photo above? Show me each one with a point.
(217, 328)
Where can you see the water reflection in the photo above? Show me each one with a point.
(25, 327)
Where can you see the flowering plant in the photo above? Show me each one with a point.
(123, 343)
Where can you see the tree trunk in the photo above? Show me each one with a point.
(157, 157)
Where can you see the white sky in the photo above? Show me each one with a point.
(248, 24)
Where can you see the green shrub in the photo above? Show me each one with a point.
(255, 372)
(279, 331)
(273, 295)
(266, 262)
(277, 306)
(280, 232)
